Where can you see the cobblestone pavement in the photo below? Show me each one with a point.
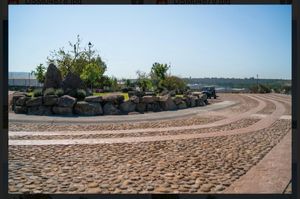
(204, 154)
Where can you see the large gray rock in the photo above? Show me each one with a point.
(200, 102)
(21, 101)
(72, 82)
(97, 99)
(182, 105)
(155, 107)
(127, 107)
(141, 107)
(167, 103)
(149, 93)
(149, 99)
(36, 101)
(110, 109)
(190, 100)
(39, 110)
(20, 109)
(113, 98)
(66, 101)
(89, 109)
(53, 77)
(50, 100)
(62, 110)
(16, 96)
(177, 100)
(202, 96)
(134, 99)
(135, 93)
(196, 93)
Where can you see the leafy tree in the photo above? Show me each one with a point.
(127, 83)
(91, 73)
(76, 59)
(114, 84)
(39, 73)
(159, 71)
(158, 74)
(174, 83)
(143, 81)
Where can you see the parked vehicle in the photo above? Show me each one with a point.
(209, 91)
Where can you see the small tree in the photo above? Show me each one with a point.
(75, 59)
(143, 81)
(39, 73)
(114, 84)
(127, 83)
(158, 74)
(174, 83)
(91, 73)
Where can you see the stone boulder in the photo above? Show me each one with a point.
(135, 93)
(202, 96)
(196, 93)
(36, 101)
(167, 103)
(140, 107)
(21, 101)
(149, 99)
(53, 77)
(66, 101)
(88, 108)
(127, 107)
(15, 97)
(62, 110)
(110, 109)
(153, 107)
(149, 93)
(200, 102)
(113, 98)
(190, 100)
(94, 99)
(177, 100)
(134, 99)
(72, 82)
(50, 100)
(39, 110)
(20, 109)
(164, 92)
(182, 105)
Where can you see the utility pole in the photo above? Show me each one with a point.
(28, 80)
(90, 45)
(257, 80)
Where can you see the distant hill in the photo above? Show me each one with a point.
(236, 82)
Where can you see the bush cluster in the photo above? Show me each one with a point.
(37, 92)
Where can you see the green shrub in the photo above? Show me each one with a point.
(29, 90)
(59, 92)
(37, 92)
(81, 94)
(49, 91)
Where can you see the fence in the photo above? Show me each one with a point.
(24, 82)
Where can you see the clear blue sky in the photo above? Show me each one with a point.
(198, 41)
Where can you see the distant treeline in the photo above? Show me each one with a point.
(238, 83)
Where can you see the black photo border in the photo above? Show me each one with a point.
(295, 98)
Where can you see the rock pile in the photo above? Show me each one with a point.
(112, 104)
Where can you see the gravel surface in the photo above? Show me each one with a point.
(245, 103)
(270, 108)
(181, 166)
(195, 120)
(235, 125)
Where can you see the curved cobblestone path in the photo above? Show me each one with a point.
(203, 153)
